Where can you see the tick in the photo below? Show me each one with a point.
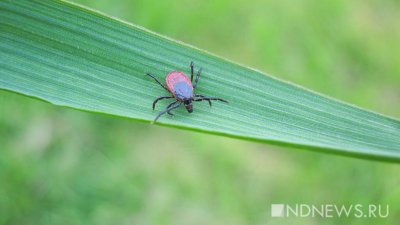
(182, 90)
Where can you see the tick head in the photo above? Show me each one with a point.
(188, 105)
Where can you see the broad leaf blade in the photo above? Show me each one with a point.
(71, 56)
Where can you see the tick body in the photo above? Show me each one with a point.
(182, 90)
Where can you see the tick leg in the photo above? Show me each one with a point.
(162, 85)
(170, 113)
(198, 100)
(160, 98)
(191, 70)
(197, 78)
(172, 106)
(211, 99)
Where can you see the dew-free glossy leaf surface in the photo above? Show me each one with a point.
(72, 56)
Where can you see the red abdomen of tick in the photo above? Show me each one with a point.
(179, 85)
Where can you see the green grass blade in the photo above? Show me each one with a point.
(71, 56)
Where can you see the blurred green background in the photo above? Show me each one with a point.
(61, 166)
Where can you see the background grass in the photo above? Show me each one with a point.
(63, 166)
